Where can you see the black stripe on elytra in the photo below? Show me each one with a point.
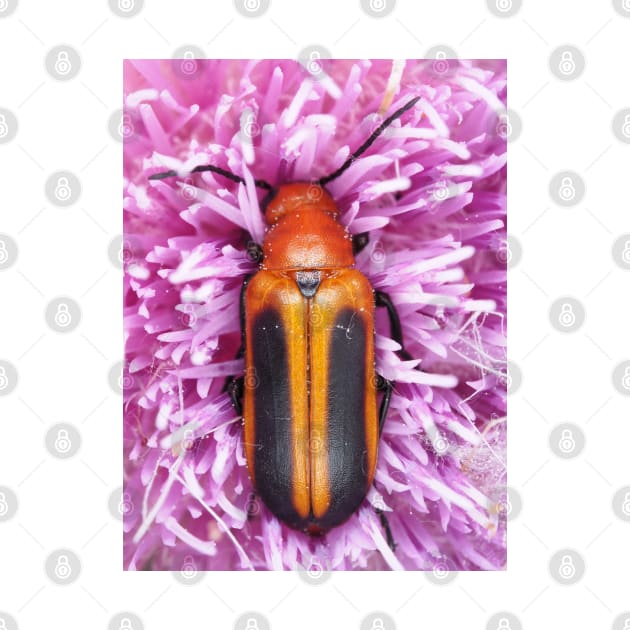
(346, 444)
(272, 408)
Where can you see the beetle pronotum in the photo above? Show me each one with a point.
(311, 417)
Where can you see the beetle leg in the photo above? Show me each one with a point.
(234, 384)
(385, 525)
(383, 385)
(359, 241)
(382, 299)
(234, 387)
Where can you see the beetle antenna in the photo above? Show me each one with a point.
(366, 145)
(260, 183)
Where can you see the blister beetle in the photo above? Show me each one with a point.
(312, 421)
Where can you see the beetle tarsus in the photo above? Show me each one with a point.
(254, 252)
(359, 242)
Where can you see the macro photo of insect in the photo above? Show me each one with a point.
(315, 265)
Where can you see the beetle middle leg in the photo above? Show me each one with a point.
(382, 299)
(234, 387)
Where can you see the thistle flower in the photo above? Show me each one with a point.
(432, 193)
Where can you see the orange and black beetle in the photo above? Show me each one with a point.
(311, 417)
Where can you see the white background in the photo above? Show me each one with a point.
(566, 251)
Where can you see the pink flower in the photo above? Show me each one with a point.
(432, 193)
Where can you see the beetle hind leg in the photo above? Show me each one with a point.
(386, 386)
(391, 543)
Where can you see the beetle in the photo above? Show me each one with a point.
(308, 398)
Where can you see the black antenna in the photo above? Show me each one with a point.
(260, 183)
(366, 145)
